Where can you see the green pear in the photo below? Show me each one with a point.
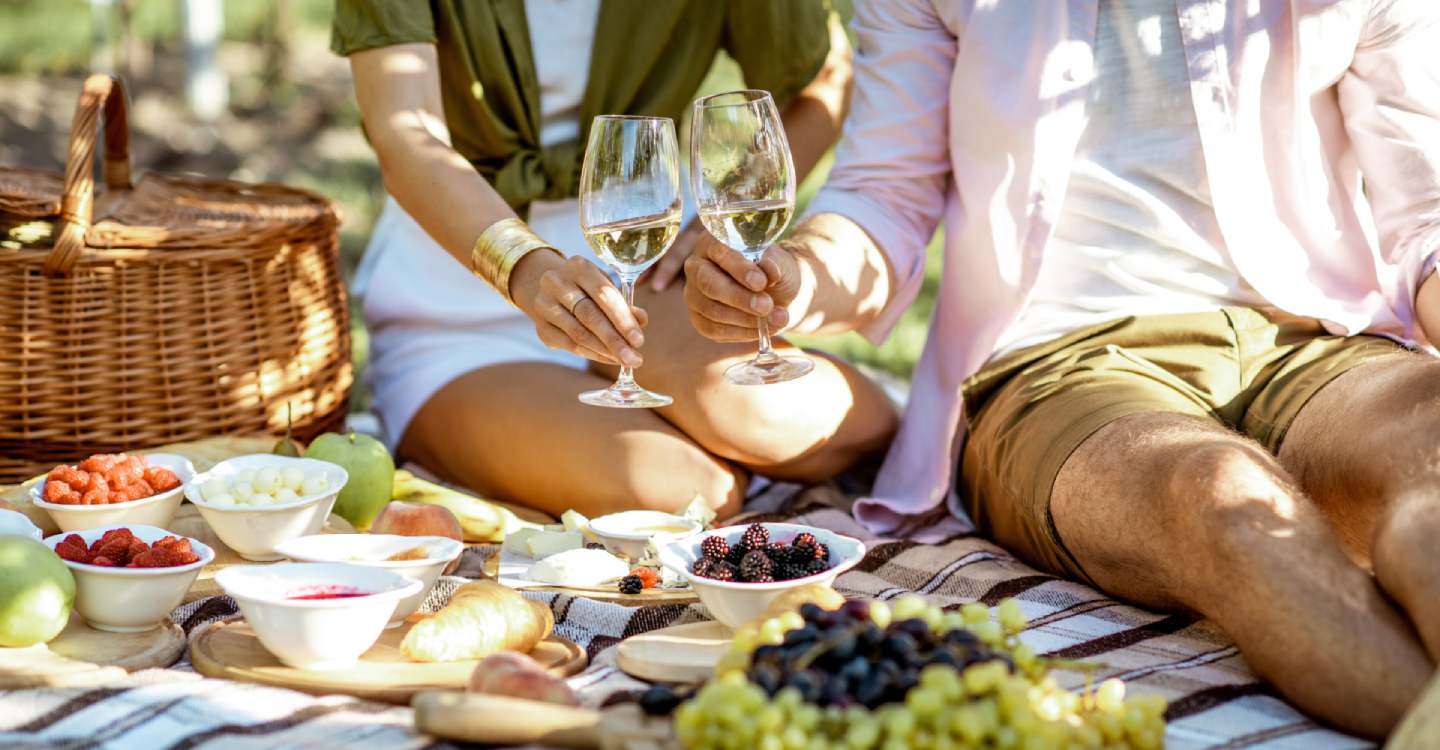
(36, 592)
(371, 470)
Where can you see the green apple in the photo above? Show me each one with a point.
(371, 470)
(36, 592)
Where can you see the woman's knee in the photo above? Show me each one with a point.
(669, 472)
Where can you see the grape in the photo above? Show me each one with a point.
(975, 613)
(924, 703)
(1011, 618)
(1110, 696)
(908, 606)
(791, 621)
(880, 613)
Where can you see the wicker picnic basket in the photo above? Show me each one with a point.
(173, 309)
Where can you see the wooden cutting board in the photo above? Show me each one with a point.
(679, 653)
(499, 720)
(189, 522)
(230, 650)
(646, 598)
(81, 656)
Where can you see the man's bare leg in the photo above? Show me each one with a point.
(806, 430)
(1171, 511)
(516, 432)
(1366, 448)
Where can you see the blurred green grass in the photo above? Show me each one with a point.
(301, 127)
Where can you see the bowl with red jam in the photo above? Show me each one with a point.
(317, 616)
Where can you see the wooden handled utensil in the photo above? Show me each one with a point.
(500, 720)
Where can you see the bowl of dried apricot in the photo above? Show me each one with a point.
(129, 578)
(114, 489)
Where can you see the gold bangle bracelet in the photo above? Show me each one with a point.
(499, 248)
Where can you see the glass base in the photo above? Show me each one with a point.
(769, 370)
(626, 396)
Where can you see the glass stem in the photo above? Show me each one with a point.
(766, 353)
(627, 376)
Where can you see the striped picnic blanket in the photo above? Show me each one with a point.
(1215, 701)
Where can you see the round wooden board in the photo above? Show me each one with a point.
(230, 650)
(679, 653)
(189, 522)
(81, 655)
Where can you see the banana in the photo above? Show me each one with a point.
(481, 521)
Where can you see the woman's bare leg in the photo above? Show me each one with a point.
(516, 432)
(807, 429)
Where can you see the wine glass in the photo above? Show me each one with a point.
(630, 213)
(744, 184)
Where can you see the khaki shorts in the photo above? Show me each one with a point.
(1250, 370)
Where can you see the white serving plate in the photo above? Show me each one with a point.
(253, 531)
(319, 635)
(156, 510)
(131, 600)
(734, 603)
(370, 550)
(15, 522)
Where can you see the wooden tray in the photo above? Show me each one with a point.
(230, 650)
(82, 656)
(679, 653)
(500, 720)
(189, 522)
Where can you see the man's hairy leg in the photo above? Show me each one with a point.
(1172, 511)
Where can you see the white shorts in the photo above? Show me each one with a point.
(431, 321)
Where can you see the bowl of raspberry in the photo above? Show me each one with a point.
(738, 570)
(129, 578)
(111, 489)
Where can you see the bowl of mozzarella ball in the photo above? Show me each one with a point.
(256, 502)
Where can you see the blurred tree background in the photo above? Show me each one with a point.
(258, 98)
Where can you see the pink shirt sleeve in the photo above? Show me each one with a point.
(892, 165)
(1390, 97)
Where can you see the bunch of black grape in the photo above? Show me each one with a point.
(870, 676)
(756, 559)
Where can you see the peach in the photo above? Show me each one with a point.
(414, 519)
(516, 675)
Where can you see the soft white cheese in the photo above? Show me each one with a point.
(548, 543)
(578, 567)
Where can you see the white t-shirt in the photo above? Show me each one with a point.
(1136, 234)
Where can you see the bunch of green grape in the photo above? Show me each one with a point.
(869, 675)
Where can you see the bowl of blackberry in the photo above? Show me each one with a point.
(738, 570)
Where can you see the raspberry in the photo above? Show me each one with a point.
(161, 478)
(104, 562)
(631, 585)
(757, 567)
(756, 536)
(648, 577)
(715, 547)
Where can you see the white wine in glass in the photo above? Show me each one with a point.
(744, 183)
(630, 213)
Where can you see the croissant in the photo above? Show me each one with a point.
(482, 618)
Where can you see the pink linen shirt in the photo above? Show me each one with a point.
(970, 111)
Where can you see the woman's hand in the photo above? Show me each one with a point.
(692, 236)
(575, 307)
(725, 292)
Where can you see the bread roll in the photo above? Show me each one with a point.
(482, 618)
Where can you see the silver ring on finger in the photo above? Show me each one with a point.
(576, 303)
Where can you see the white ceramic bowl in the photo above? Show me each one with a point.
(15, 522)
(131, 600)
(254, 530)
(156, 510)
(734, 603)
(371, 550)
(317, 634)
(628, 532)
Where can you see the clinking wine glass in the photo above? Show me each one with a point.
(744, 183)
(630, 203)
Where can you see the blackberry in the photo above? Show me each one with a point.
(757, 567)
(659, 700)
(715, 547)
(594, 545)
(816, 566)
(756, 536)
(631, 585)
(703, 566)
(737, 553)
(804, 538)
(722, 571)
(778, 552)
(822, 552)
(788, 570)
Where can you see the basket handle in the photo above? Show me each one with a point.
(77, 204)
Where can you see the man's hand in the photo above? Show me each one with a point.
(575, 307)
(725, 292)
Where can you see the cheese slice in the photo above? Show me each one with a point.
(574, 521)
(547, 543)
(517, 543)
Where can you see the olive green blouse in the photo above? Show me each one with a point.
(649, 58)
